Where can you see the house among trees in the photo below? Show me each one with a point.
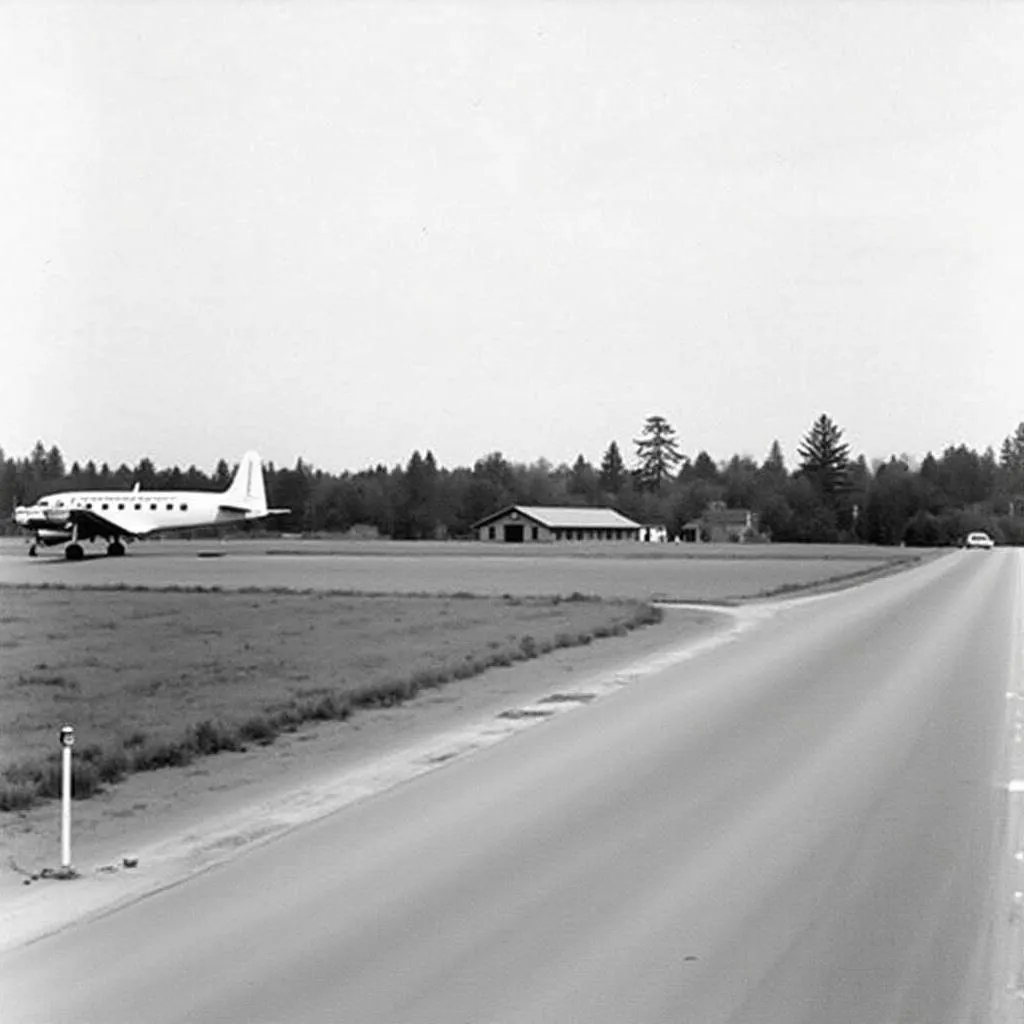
(519, 524)
(721, 525)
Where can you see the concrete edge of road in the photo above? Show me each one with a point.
(44, 910)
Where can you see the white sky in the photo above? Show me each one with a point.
(348, 230)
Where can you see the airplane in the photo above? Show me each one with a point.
(73, 516)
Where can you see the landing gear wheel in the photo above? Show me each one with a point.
(115, 548)
(32, 551)
(74, 553)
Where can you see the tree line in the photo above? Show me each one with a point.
(826, 496)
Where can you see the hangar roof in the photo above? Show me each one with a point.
(558, 517)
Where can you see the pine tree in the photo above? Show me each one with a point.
(657, 453)
(415, 512)
(613, 470)
(582, 480)
(222, 474)
(824, 457)
(774, 464)
(704, 468)
(1011, 460)
(53, 465)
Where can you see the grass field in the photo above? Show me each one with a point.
(159, 677)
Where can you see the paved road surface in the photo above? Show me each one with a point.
(807, 825)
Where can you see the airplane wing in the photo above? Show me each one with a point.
(92, 524)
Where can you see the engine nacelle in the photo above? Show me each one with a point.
(50, 538)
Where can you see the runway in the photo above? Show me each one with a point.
(643, 571)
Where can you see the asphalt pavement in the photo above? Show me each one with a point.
(814, 823)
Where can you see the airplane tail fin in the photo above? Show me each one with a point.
(246, 493)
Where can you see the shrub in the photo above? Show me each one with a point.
(209, 737)
(429, 678)
(85, 779)
(528, 646)
(325, 708)
(18, 796)
(161, 754)
(258, 729)
(112, 766)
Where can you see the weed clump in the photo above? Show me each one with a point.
(212, 737)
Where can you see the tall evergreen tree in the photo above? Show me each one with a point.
(145, 474)
(1011, 460)
(774, 464)
(53, 466)
(415, 512)
(222, 474)
(613, 470)
(704, 468)
(657, 453)
(823, 458)
(583, 481)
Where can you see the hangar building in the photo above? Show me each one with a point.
(519, 524)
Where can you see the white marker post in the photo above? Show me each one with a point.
(67, 739)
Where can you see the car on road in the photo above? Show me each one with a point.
(979, 540)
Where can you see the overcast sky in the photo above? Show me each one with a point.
(343, 231)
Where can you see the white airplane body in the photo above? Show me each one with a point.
(73, 516)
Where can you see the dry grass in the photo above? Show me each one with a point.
(151, 678)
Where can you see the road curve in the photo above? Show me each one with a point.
(807, 825)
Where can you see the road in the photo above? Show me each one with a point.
(810, 824)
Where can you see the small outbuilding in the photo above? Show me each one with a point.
(721, 525)
(523, 524)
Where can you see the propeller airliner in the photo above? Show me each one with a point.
(71, 517)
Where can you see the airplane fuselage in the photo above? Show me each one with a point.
(132, 514)
(73, 516)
